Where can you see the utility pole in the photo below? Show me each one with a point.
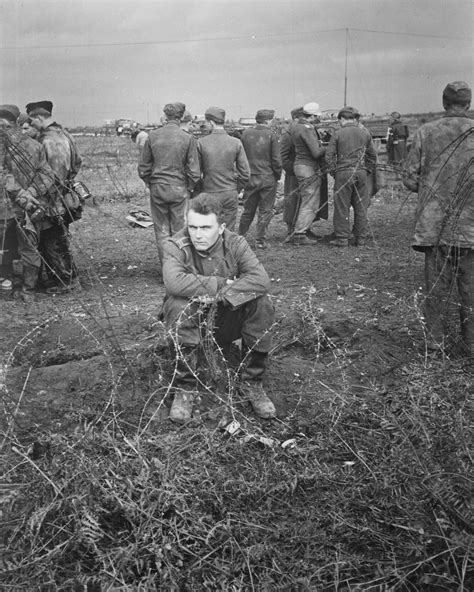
(345, 70)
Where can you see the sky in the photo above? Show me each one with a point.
(99, 60)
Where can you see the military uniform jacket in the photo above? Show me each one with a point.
(263, 152)
(25, 167)
(61, 152)
(169, 156)
(188, 273)
(287, 151)
(350, 149)
(307, 144)
(440, 168)
(223, 162)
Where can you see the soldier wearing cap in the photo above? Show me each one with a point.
(27, 205)
(287, 151)
(308, 167)
(169, 166)
(397, 137)
(224, 165)
(63, 157)
(350, 157)
(440, 168)
(263, 153)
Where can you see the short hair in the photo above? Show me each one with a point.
(205, 204)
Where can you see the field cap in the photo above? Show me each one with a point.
(9, 112)
(174, 110)
(296, 112)
(395, 115)
(348, 113)
(215, 114)
(457, 92)
(39, 108)
(187, 117)
(311, 109)
(264, 115)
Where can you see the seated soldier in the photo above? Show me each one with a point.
(208, 268)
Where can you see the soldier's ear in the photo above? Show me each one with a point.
(222, 228)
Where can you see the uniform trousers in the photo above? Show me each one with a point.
(350, 189)
(259, 194)
(190, 321)
(309, 187)
(168, 210)
(445, 266)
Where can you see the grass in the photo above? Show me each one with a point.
(372, 493)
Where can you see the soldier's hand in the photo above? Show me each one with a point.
(26, 201)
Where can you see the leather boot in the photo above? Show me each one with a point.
(17, 278)
(185, 384)
(251, 384)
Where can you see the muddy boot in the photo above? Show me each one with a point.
(184, 384)
(251, 385)
(182, 407)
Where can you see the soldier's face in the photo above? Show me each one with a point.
(204, 230)
(37, 122)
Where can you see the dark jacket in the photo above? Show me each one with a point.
(351, 149)
(263, 152)
(188, 273)
(223, 162)
(169, 156)
(287, 151)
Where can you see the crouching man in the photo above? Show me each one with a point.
(208, 270)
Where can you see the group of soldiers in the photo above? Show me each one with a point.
(39, 161)
(215, 286)
(215, 283)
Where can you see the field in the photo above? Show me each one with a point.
(363, 483)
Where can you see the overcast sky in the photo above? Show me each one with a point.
(101, 60)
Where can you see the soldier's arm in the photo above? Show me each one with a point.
(312, 142)
(277, 165)
(370, 154)
(182, 281)
(252, 280)
(286, 144)
(412, 171)
(242, 164)
(145, 164)
(193, 170)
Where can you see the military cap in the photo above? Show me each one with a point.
(187, 117)
(9, 112)
(39, 108)
(395, 115)
(215, 114)
(457, 92)
(296, 112)
(311, 109)
(348, 113)
(264, 115)
(174, 110)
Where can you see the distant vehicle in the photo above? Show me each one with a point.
(125, 127)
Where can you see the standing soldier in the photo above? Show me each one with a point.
(287, 150)
(309, 167)
(398, 139)
(263, 153)
(224, 165)
(440, 168)
(63, 157)
(169, 167)
(27, 205)
(350, 156)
